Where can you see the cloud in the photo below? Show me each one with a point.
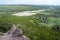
(37, 2)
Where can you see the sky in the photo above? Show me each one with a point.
(31, 2)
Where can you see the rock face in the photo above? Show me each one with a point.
(14, 34)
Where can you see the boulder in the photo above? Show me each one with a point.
(14, 34)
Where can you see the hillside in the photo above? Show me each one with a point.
(44, 25)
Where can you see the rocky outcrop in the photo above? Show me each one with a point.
(14, 34)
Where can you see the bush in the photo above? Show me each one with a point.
(56, 28)
(4, 26)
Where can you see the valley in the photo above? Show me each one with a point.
(38, 22)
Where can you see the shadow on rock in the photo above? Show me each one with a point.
(14, 34)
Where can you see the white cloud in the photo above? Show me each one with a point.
(47, 2)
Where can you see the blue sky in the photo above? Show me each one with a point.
(33, 2)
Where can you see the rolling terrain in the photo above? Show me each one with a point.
(43, 25)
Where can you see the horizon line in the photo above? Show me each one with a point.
(28, 4)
